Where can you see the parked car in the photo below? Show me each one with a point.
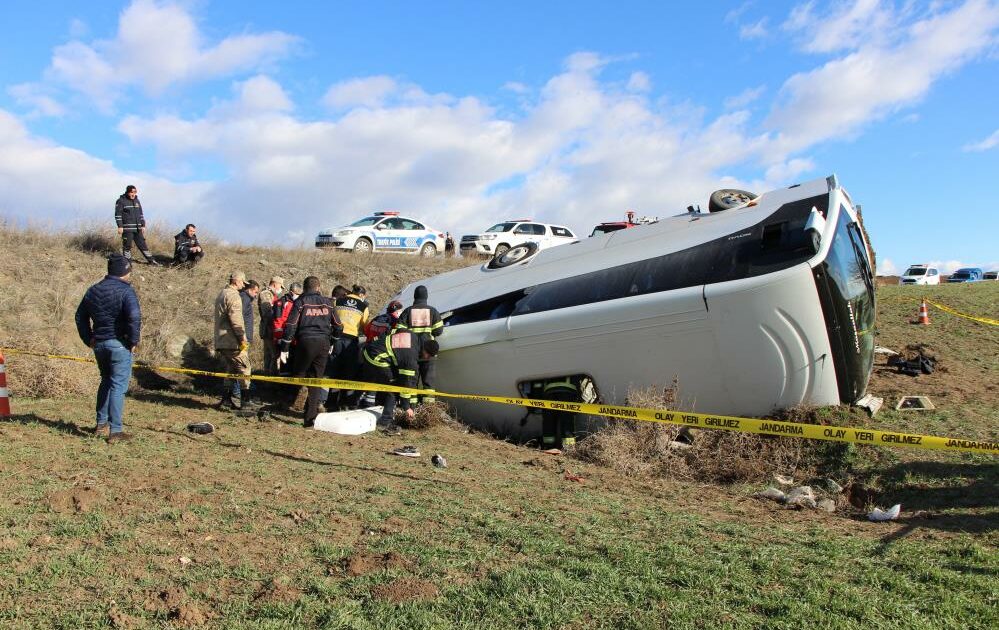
(629, 222)
(512, 233)
(384, 232)
(762, 303)
(920, 274)
(966, 274)
(991, 275)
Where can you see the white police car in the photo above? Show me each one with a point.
(384, 232)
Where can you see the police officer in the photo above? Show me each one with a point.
(313, 325)
(393, 359)
(424, 320)
(132, 224)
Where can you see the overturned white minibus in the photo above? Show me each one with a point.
(764, 305)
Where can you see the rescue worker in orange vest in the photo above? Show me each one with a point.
(393, 359)
(424, 320)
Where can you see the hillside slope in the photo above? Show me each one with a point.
(264, 524)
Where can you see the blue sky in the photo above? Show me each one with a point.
(265, 122)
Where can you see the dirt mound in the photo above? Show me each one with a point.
(363, 564)
(175, 605)
(405, 590)
(77, 500)
(280, 590)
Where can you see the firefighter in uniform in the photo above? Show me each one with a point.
(393, 359)
(558, 428)
(353, 313)
(424, 320)
(313, 325)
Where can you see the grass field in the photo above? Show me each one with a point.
(266, 525)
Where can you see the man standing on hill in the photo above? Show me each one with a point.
(109, 321)
(313, 325)
(230, 340)
(186, 248)
(132, 224)
(265, 306)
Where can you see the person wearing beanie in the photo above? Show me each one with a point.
(424, 320)
(109, 321)
(132, 224)
(393, 359)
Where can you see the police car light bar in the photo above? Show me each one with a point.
(387, 213)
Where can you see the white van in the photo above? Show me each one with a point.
(766, 303)
(920, 274)
(512, 233)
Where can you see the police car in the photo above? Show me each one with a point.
(384, 232)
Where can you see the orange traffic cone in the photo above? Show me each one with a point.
(924, 314)
(4, 399)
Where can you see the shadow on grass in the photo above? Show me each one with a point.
(58, 425)
(170, 400)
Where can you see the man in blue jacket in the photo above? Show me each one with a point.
(109, 321)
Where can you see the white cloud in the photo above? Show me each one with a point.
(639, 82)
(744, 98)
(736, 13)
(887, 267)
(36, 98)
(46, 183)
(756, 30)
(838, 98)
(984, 145)
(158, 44)
(516, 87)
(844, 27)
(365, 92)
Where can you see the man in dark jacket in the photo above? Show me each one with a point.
(186, 248)
(131, 224)
(109, 321)
(394, 359)
(424, 320)
(312, 325)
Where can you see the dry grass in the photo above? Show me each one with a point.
(428, 415)
(45, 273)
(651, 450)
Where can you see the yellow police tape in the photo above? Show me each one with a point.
(700, 420)
(947, 309)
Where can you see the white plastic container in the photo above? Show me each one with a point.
(353, 422)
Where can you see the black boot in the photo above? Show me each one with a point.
(246, 402)
(227, 403)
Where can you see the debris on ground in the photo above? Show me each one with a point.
(914, 403)
(871, 403)
(552, 451)
(407, 451)
(574, 477)
(830, 486)
(860, 496)
(201, 428)
(913, 361)
(883, 350)
(801, 496)
(438, 461)
(826, 505)
(772, 494)
(878, 515)
(784, 480)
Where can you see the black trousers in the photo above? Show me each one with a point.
(381, 376)
(134, 236)
(187, 256)
(344, 366)
(428, 378)
(310, 358)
